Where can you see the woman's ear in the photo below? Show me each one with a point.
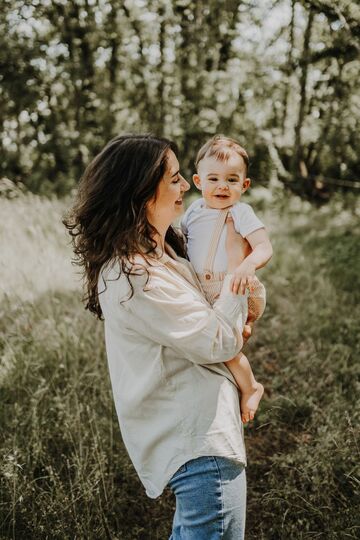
(246, 185)
(197, 181)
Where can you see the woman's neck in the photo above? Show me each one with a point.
(160, 234)
(160, 241)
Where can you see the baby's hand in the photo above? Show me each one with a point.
(243, 277)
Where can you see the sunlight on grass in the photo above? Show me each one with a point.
(35, 252)
(65, 472)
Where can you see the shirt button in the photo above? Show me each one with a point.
(207, 276)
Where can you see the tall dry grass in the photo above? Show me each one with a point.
(64, 470)
(35, 252)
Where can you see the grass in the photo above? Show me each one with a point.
(64, 470)
(34, 252)
(304, 450)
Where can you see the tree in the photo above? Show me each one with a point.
(279, 76)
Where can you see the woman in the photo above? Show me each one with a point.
(177, 404)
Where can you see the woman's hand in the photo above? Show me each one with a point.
(247, 331)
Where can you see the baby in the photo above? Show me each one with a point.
(222, 166)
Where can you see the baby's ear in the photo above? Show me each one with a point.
(197, 181)
(246, 184)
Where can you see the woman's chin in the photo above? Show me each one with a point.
(179, 208)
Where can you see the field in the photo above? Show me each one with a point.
(64, 471)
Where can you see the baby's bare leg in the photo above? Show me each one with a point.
(251, 390)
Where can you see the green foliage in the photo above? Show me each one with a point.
(275, 75)
(65, 472)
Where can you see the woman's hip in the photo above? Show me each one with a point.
(210, 499)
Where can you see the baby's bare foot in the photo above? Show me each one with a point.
(250, 401)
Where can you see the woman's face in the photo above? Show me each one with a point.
(167, 204)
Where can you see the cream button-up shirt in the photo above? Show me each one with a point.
(174, 397)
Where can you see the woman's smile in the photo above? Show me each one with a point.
(168, 203)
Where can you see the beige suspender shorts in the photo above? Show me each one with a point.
(211, 282)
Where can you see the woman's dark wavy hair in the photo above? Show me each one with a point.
(108, 220)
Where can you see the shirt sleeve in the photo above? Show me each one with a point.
(175, 316)
(245, 219)
(183, 224)
(185, 218)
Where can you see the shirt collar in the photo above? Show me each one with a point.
(182, 266)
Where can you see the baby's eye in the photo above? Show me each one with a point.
(233, 180)
(213, 179)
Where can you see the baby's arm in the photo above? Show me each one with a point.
(237, 250)
(261, 253)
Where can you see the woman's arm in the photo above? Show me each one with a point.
(172, 313)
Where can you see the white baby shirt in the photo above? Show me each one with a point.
(198, 224)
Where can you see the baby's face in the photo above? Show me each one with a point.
(222, 182)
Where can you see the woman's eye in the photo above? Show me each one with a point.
(176, 181)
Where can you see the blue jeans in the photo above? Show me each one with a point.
(210, 500)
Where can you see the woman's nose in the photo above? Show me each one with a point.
(184, 184)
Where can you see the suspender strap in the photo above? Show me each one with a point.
(218, 228)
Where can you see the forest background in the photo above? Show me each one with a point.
(282, 78)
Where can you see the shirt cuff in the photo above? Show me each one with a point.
(231, 305)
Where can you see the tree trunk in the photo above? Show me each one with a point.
(160, 112)
(296, 166)
(288, 67)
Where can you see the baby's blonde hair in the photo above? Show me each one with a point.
(221, 147)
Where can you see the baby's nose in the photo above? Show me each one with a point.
(223, 185)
